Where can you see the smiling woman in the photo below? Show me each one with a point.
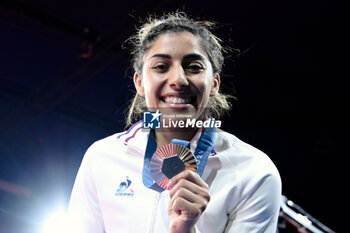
(208, 57)
(177, 76)
(209, 182)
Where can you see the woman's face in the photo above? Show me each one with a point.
(177, 76)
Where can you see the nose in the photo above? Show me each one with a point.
(178, 78)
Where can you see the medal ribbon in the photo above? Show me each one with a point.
(202, 152)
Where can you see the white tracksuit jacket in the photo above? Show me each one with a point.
(109, 195)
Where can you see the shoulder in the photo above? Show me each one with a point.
(250, 176)
(104, 144)
(101, 149)
(134, 139)
(239, 152)
(249, 163)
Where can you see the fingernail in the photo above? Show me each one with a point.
(169, 185)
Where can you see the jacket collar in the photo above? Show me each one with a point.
(137, 137)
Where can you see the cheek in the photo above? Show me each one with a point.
(152, 90)
(204, 87)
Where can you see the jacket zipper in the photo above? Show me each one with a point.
(154, 212)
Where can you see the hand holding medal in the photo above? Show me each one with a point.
(189, 197)
(175, 168)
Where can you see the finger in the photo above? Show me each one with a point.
(186, 194)
(190, 186)
(200, 201)
(190, 176)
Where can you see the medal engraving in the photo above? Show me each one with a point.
(168, 161)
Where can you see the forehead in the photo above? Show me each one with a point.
(176, 44)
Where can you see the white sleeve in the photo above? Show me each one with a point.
(259, 210)
(84, 210)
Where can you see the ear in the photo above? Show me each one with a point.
(216, 85)
(138, 84)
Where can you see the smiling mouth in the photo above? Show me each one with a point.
(178, 100)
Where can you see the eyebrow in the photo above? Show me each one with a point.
(161, 55)
(192, 56)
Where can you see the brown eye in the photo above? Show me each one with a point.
(194, 68)
(161, 68)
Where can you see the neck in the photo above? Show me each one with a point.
(164, 137)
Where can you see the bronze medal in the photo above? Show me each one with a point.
(168, 161)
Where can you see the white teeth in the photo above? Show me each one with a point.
(176, 100)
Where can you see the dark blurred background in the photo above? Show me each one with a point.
(65, 83)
